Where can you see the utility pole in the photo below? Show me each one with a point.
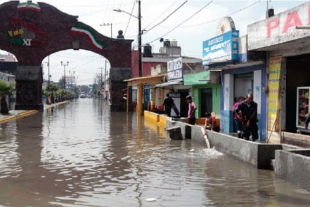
(101, 78)
(105, 75)
(139, 39)
(64, 72)
(140, 85)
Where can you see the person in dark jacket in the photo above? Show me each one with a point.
(168, 104)
(248, 118)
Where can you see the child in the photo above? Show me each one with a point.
(211, 123)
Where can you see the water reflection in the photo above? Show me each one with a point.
(81, 154)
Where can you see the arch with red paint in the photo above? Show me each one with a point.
(32, 31)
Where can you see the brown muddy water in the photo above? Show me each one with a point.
(81, 154)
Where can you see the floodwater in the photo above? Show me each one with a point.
(81, 154)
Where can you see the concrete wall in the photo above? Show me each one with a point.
(256, 154)
(294, 166)
(185, 128)
(290, 163)
(259, 155)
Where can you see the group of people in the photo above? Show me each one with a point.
(245, 116)
(244, 110)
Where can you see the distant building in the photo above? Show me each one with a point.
(8, 64)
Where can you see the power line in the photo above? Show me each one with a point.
(133, 6)
(160, 14)
(214, 20)
(183, 21)
(167, 16)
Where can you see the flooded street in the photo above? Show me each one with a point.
(81, 154)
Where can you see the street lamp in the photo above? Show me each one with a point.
(64, 72)
(107, 24)
(118, 10)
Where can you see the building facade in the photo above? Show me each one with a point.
(288, 73)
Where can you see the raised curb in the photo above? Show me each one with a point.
(22, 114)
(27, 113)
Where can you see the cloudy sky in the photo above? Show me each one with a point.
(188, 22)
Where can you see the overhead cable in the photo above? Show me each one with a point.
(183, 21)
(167, 16)
(214, 20)
(133, 6)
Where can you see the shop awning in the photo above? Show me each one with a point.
(150, 80)
(240, 65)
(169, 84)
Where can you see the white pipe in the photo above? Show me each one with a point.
(204, 132)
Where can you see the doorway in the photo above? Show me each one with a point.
(206, 101)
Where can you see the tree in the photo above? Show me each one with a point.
(84, 88)
(61, 83)
(5, 89)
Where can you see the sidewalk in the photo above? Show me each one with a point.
(15, 114)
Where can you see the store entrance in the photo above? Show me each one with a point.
(243, 85)
(298, 75)
(206, 101)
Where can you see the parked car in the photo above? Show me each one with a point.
(89, 96)
(82, 95)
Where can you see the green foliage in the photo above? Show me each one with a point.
(6, 88)
(52, 87)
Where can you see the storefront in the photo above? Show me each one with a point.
(146, 83)
(288, 68)
(175, 87)
(240, 80)
(178, 92)
(206, 91)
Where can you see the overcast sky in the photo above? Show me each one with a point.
(190, 25)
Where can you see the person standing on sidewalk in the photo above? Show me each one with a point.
(168, 104)
(191, 110)
(248, 117)
(238, 123)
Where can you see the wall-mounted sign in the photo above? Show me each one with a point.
(221, 48)
(280, 28)
(175, 70)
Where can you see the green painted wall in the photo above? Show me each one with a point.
(216, 98)
(198, 82)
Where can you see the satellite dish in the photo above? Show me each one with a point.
(226, 24)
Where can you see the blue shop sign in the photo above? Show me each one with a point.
(221, 48)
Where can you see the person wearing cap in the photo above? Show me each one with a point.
(191, 110)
